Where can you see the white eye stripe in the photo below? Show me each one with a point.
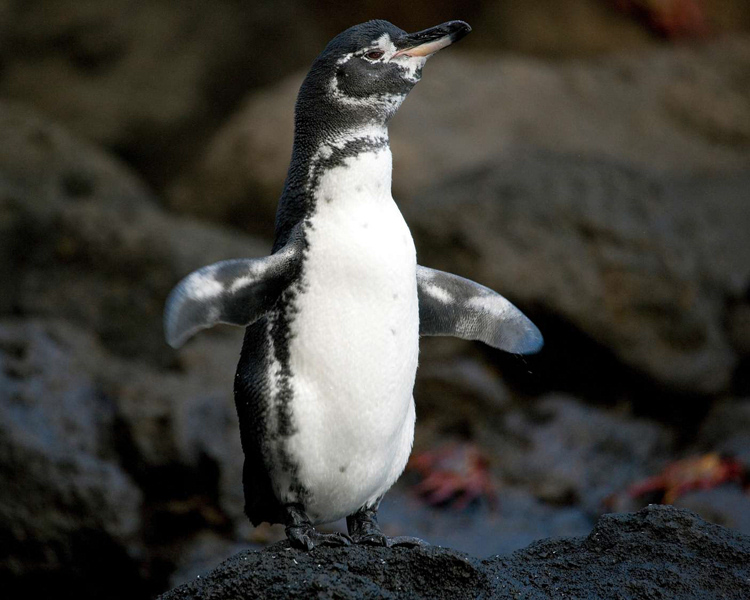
(382, 44)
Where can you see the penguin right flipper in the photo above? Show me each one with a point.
(452, 305)
(236, 292)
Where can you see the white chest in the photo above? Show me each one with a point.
(354, 346)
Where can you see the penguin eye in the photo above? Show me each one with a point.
(374, 54)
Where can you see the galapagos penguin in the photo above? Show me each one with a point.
(334, 315)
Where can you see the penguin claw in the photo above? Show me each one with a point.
(333, 539)
(310, 538)
(372, 539)
(406, 541)
(379, 539)
(363, 529)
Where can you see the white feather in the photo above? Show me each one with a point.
(355, 342)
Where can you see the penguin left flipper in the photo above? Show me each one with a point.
(236, 292)
(454, 306)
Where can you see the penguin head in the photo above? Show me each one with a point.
(366, 71)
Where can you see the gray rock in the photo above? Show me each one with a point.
(148, 79)
(727, 505)
(124, 462)
(658, 552)
(85, 240)
(64, 493)
(642, 264)
(726, 429)
(458, 384)
(126, 447)
(518, 519)
(566, 452)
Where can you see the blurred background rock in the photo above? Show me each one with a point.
(590, 159)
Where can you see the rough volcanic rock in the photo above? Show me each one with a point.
(147, 79)
(86, 245)
(657, 552)
(574, 453)
(85, 241)
(644, 264)
(726, 429)
(680, 109)
(109, 466)
(64, 495)
(127, 448)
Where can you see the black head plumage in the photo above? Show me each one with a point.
(365, 72)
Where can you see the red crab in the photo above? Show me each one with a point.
(695, 473)
(455, 474)
(671, 18)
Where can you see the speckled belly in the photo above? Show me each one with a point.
(353, 358)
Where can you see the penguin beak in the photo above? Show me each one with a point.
(426, 43)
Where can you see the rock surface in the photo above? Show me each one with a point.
(560, 435)
(657, 552)
(85, 240)
(644, 264)
(146, 79)
(126, 448)
(65, 492)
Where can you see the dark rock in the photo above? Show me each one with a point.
(518, 519)
(727, 505)
(658, 552)
(726, 429)
(64, 493)
(459, 389)
(125, 463)
(127, 448)
(566, 452)
(631, 259)
(153, 80)
(149, 80)
(739, 327)
(85, 241)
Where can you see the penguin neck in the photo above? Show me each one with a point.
(315, 144)
(317, 150)
(326, 136)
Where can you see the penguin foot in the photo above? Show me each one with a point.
(364, 529)
(307, 538)
(302, 534)
(371, 539)
(406, 541)
(380, 539)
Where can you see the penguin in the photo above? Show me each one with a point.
(333, 317)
